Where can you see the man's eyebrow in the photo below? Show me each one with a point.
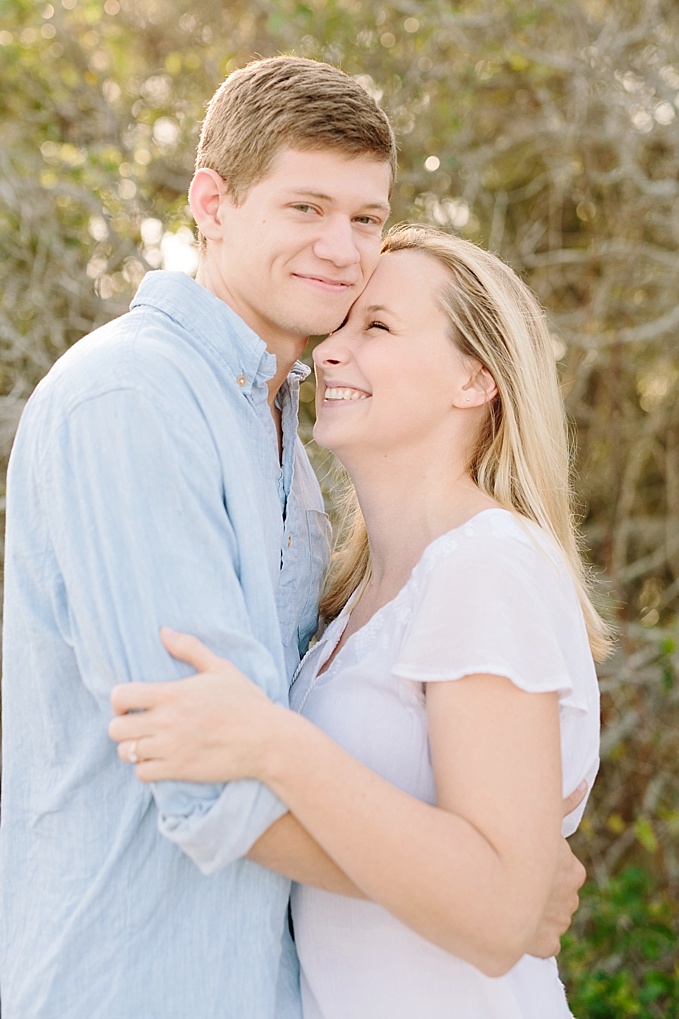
(380, 206)
(322, 197)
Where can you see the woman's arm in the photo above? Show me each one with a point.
(472, 874)
(288, 849)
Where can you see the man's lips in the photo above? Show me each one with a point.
(336, 286)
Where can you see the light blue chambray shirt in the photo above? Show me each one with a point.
(145, 489)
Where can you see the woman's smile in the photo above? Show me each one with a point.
(339, 394)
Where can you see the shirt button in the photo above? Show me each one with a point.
(241, 380)
(289, 540)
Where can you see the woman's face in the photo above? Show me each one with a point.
(390, 377)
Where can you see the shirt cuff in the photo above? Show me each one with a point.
(228, 829)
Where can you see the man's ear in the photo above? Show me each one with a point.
(207, 192)
(479, 389)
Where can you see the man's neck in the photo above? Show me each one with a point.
(287, 348)
(285, 359)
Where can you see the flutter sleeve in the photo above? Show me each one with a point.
(503, 604)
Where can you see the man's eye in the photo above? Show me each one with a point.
(301, 207)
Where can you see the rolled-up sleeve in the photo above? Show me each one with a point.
(139, 520)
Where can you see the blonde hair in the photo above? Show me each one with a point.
(288, 102)
(521, 457)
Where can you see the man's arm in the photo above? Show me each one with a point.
(133, 494)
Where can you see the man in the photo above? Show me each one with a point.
(156, 479)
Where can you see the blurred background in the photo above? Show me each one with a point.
(547, 131)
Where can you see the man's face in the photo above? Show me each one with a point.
(297, 251)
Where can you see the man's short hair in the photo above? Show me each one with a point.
(294, 103)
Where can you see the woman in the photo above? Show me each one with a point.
(452, 695)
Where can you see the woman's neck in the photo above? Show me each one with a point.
(406, 509)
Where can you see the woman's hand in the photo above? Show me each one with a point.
(563, 900)
(212, 727)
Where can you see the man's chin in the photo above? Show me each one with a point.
(321, 327)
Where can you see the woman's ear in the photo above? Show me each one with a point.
(207, 192)
(479, 389)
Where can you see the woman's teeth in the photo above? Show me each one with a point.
(345, 394)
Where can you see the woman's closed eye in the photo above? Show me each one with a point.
(378, 325)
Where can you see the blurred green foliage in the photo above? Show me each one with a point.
(547, 130)
(620, 957)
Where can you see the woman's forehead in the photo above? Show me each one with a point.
(403, 277)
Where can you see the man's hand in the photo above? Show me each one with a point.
(563, 900)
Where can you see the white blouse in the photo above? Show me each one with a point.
(492, 596)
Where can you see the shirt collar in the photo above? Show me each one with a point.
(214, 324)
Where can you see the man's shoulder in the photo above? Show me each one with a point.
(142, 350)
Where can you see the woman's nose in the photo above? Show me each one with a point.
(331, 350)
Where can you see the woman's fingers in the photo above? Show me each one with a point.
(151, 771)
(574, 799)
(137, 696)
(209, 727)
(140, 753)
(126, 727)
(143, 696)
(129, 750)
(155, 759)
(188, 649)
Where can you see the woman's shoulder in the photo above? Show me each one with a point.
(495, 539)
(496, 596)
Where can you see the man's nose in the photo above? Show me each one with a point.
(337, 243)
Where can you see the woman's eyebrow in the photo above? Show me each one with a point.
(371, 309)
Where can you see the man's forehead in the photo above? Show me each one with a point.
(314, 171)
